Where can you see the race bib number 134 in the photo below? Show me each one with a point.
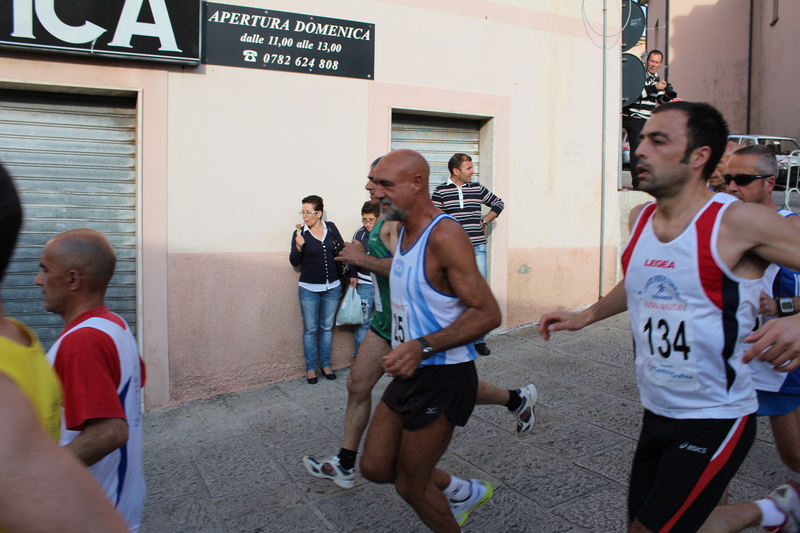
(664, 340)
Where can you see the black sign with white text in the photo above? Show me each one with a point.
(248, 37)
(148, 30)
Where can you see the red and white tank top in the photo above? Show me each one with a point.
(689, 314)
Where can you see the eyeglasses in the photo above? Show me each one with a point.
(309, 212)
(369, 220)
(742, 179)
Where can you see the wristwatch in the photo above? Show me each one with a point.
(785, 306)
(427, 349)
(484, 223)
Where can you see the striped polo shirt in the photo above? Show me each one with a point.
(464, 204)
(643, 106)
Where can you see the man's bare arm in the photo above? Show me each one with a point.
(778, 343)
(450, 247)
(749, 228)
(44, 489)
(355, 254)
(99, 437)
(612, 304)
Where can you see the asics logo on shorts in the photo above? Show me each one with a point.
(693, 448)
(431, 411)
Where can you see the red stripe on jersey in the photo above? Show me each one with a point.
(647, 212)
(710, 274)
(713, 468)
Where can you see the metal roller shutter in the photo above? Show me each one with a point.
(73, 159)
(437, 139)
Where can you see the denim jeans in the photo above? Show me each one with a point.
(367, 295)
(480, 258)
(319, 310)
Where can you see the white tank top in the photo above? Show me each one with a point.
(418, 309)
(120, 473)
(689, 314)
(787, 282)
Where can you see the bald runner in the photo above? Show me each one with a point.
(98, 362)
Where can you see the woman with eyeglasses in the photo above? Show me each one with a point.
(314, 244)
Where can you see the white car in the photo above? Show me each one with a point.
(786, 151)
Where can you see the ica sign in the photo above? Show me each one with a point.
(155, 30)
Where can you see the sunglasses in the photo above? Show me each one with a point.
(742, 179)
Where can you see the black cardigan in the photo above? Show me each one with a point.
(316, 259)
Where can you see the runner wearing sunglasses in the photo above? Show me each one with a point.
(751, 174)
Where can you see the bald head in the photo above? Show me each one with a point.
(87, 251)
(407, 164)
(401, 184)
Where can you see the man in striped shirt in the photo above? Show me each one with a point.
(461, 198)
(635, 115)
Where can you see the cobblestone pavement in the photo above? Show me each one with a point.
(233, 463)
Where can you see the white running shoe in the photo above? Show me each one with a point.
(330, 469)
(787, 498)
(480, 493)
(526, 417)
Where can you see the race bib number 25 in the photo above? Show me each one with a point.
(399, 323)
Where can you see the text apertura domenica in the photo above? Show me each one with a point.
(274, 23)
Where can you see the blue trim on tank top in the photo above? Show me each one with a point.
(430, 226)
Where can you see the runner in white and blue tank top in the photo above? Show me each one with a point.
(419, 309)
(750, 174)
(778, 282)
(433, 268)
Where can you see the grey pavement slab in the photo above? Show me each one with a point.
(232, 463)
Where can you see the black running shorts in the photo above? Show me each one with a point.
(682, 467)
(432, 391)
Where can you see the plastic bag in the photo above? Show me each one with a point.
(350, 312)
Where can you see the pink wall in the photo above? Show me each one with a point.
(219, 309)
(708, 59)
(235, 323)
(777, 69)
(708, 54)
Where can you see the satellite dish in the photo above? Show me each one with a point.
(633, 77)
(634, 29)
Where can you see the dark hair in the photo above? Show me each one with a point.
(766, 164)
(654, 51)
(370, 208)
(314, 200)
(456, 160)
(10, 219)
(375, 163)
(705, 126)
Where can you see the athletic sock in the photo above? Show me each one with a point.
(458, 490)
(771, 516)
(514, 401)
(347, 458)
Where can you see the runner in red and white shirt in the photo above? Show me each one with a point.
(691, 285)
(98, 362)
